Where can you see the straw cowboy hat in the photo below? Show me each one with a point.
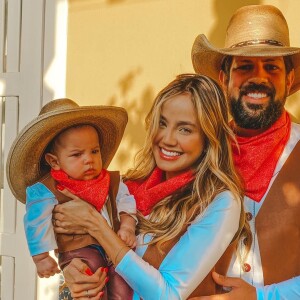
(254, 30)
(25, 162)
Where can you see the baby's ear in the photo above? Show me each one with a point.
(52, 160)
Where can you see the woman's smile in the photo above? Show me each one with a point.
(169, 155)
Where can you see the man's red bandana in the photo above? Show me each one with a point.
(257, 156)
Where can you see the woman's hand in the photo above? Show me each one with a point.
(74, 217)
(78, 217)
(82, 283)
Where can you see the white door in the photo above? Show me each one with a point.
(32, 72)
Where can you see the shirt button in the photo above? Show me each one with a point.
(249, 216)
(247, 267)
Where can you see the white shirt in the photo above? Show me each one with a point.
(287, 290)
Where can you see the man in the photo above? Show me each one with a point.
(258, 69)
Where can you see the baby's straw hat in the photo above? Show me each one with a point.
(254, 30)
(25, 162)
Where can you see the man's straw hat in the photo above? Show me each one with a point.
(254, 30)
(25, 162)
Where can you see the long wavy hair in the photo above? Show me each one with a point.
(214, 170)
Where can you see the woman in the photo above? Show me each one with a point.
(187, 192)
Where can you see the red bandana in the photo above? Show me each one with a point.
(149, 192)
(257, 156)
(93, 191)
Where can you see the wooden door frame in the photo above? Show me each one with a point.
(33, 49)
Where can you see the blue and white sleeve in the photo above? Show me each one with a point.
(285, 290)
(38, 219)
(125, 201)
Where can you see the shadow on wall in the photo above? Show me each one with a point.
(114, 1)
(223, 11)
(137, 109)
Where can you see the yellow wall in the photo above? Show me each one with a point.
(122, 52)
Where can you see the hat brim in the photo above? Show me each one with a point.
(23, 163)
(208, 59)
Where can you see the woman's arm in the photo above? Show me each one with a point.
(191, 259)
(185, 266)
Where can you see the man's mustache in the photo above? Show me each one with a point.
(260, 88)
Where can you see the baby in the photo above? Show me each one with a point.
(81, 142)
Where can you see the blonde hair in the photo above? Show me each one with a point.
(214, 171)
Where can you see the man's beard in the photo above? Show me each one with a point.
(257, 116)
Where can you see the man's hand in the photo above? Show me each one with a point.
(240, 289)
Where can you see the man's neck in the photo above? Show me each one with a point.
(244, 132)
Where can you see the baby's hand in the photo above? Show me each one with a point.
(128, 236)
(46, 266)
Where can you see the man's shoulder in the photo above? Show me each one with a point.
(296, 124)
(295, 132)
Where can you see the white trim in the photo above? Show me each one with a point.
(55, 54)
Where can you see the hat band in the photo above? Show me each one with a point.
(257, 42)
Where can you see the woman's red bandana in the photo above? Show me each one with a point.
(149, 192)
